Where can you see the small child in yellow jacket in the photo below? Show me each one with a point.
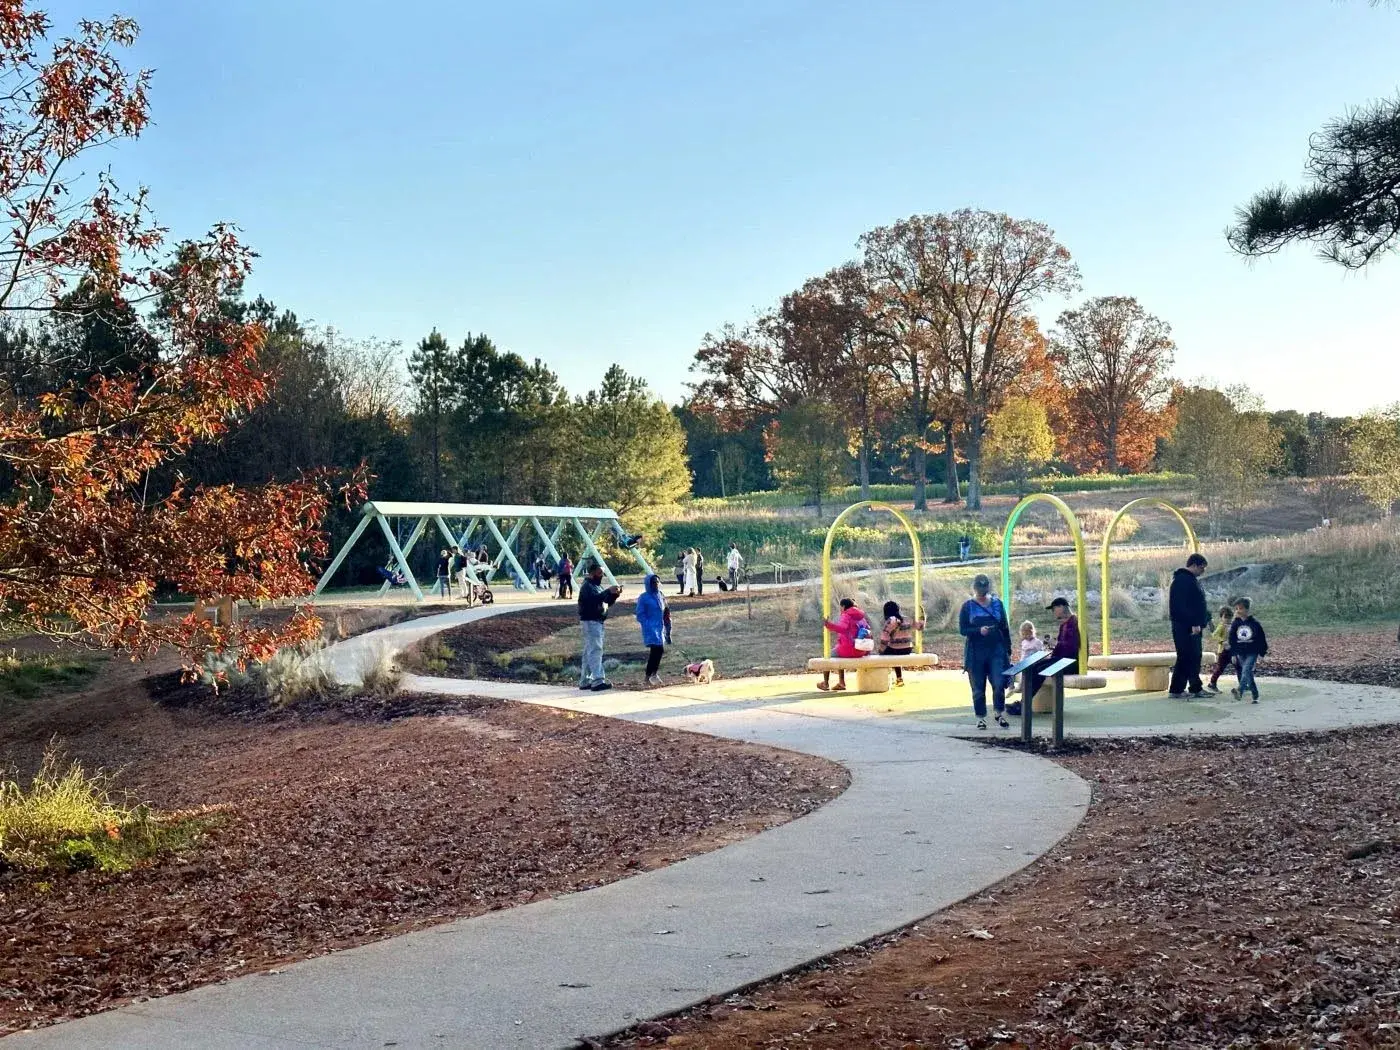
(1221, 637)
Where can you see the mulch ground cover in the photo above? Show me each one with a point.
(347, 825)
(1219, 894)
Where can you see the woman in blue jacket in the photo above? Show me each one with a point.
(655, 620)
(986, 649)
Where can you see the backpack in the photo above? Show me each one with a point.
(864, 641)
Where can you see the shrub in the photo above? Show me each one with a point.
(66, 821)
(1094, 523)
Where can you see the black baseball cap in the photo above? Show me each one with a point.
(1058, 602)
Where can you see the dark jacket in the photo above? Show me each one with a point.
(973, 618)
(1186, 602)
(1247, 637)
(593, 601)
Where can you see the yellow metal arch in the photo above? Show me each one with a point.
(1081, 571)
(918, 568)
(1104, 585)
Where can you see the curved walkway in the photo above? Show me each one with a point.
(927, 821)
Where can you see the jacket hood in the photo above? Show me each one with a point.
(653, 583)
(1183, 571)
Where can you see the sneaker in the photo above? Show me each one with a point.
(585, 686)
(1210, 690)
(1176, 696)
(899, 683)
(1201, 695)
(1001, 721)
(598, 687)
(655, 680)
(1256, 699)
(1236, 694)
(981, 723)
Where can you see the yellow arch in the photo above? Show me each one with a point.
(918, 568)
(1081, 571)
(1104, 585)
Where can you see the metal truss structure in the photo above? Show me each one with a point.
(477, 523)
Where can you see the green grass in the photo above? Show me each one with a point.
(25, 677)
(64, 821)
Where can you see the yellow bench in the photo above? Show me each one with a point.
(1152, 672)
(872, 672)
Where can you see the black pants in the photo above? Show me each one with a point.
(566, 585)
(1224, 662)
(654, 653)
(1186, 674)
(699, 579)
(898, 671)
(1037, 680)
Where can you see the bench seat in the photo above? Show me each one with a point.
(873, 671)
(1151, 671)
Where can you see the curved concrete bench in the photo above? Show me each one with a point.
(872, 672)
(1151, 671)
(1043, 703)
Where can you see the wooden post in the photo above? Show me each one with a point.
(1026, 707)
(1059, 709)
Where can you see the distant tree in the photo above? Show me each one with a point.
(1019, 440)
(1326, 459)
(1226, 444)
(1375, 456)
(1113, 358)
(435, 373)
(809, 451)
(369, 374)
(1292, 427)
(915, 335)
(627, 450)
(986, 270)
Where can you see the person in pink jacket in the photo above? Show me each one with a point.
(846, 628)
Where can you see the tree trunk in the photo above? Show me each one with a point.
(920, 476)
(973, 447)
(952, 487)
(864, 464)
(1111, 452)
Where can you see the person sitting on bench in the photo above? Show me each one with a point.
(1066, 644)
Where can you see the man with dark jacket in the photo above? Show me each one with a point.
(1186, 606)
(1066, 643)
(593, 602)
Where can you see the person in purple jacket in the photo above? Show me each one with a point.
(1066, 645)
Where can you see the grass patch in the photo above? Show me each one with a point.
(66, 821)
(25, 677)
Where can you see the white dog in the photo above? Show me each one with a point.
(701, 673)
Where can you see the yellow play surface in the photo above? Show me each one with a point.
(944, 696)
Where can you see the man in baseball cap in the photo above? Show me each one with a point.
(1066, 644)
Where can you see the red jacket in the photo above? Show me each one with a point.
(1067, 644)
(845, 630)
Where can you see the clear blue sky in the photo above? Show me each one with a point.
(591, 183)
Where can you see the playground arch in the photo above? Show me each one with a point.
(913, 534)
(1105, 586)
(1081, 572)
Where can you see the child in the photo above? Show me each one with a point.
(1247, 644)
(1221, 637)
(1030, 642)
(897, 637)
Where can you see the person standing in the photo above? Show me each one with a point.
(986, 649)
(1186, 607)
(736, 563)
(444, 570)
(654, 618)
(699, 572)
(689, 568)
(680, 573)
(593, 602)
(566, 578)
(459, 571)
(1248, 644)
(964, 547)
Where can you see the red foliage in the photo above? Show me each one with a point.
(81, 547)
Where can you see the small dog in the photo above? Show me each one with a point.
(701, 673)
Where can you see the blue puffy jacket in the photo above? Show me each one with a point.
(651, 612)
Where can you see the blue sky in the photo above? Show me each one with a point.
(591, 183)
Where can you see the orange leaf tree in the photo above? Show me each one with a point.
(83, 546)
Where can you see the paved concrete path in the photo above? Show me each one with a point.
(927, 821)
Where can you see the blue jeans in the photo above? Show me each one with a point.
(591, 670)
(984, 666)
(1244, 665)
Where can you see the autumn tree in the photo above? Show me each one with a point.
(985, 270)
(1019, 440)
(1375, 456)
(1224, 441)
(85, 542)
(1114, 358)
(808, 450)
(916, 336)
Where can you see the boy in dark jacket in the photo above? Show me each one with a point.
(1186, 606)
(1247, 644)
